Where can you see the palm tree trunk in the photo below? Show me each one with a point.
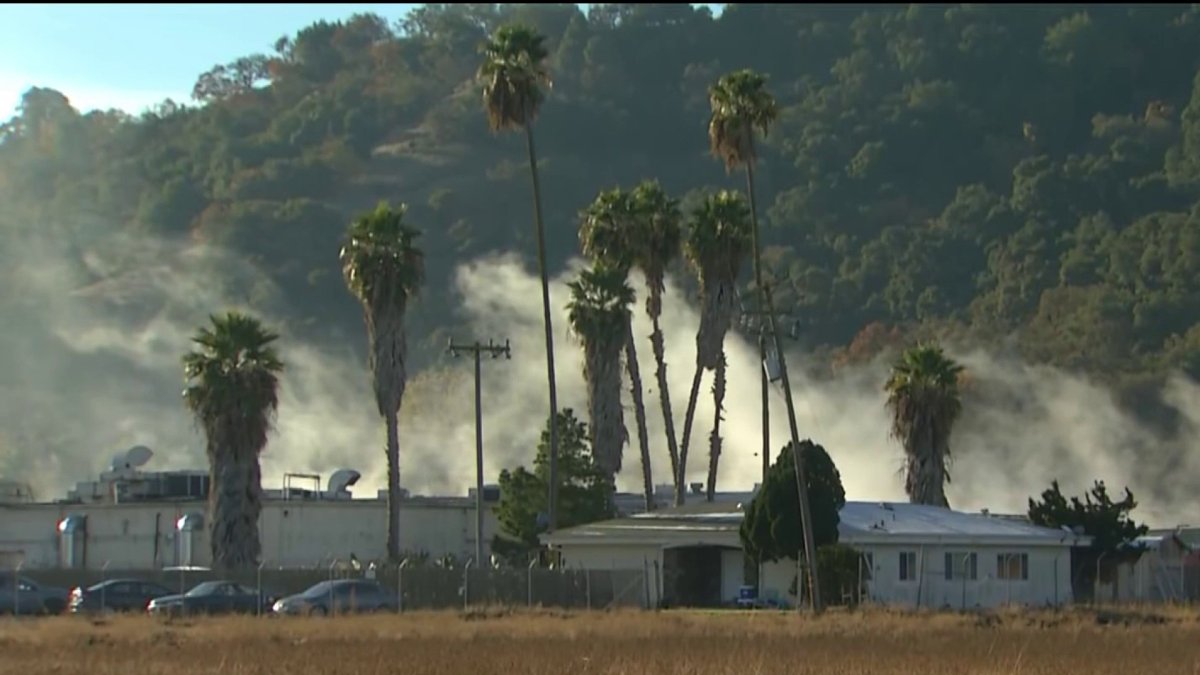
(235, 505)
(552, 497)
(681, 475)
(393, 486)
(639, 412)
(664, 395)
(714, 439)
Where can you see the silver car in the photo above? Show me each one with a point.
(339, 596)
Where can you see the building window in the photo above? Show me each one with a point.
(866, 565)
(908, 566)
(960, 566)
(1012, 566)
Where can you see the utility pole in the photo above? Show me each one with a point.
(810, 549)
(477, 350)
(749, 320)
(769, 330)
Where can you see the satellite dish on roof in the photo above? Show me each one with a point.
(138, 455)
(132, 458)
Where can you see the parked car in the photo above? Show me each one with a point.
(118, 595)
(213, 597)
(22, 595)
(339, 596)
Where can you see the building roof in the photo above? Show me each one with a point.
(861, 523)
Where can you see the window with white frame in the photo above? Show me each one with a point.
(866, 564)
(908, 566)
(962, 566)
(1012, 566)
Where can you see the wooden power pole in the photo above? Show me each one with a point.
(478, 350)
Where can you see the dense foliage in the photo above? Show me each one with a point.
(584, 491)
(1028, 170)
(771, 529)
(1109, 523)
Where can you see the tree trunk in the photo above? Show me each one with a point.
(639, 413)
(714, 439)
(924, 473)
(664, 396)
(539, 226)
(235, 503)
(602, 373)
(393, 486)
(681, 476)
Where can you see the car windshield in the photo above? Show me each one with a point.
(322, 588)
(206, 588)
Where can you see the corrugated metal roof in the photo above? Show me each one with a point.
(902, 519)
(860, 522)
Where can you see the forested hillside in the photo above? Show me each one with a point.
(991, 170)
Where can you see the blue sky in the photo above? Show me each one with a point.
(131, 56)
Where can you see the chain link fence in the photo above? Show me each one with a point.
(420, 587)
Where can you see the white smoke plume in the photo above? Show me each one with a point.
(89, 372)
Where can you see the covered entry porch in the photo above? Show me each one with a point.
(692, 554)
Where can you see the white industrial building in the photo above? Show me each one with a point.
(134, 519)
(912, 555)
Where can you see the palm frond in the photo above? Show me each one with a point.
(513, 73)
(381, 262)
(740, 105)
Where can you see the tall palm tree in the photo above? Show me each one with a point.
(655, 245)
(604, 232)
(233, 391)
(599, 316)
(513, 73)
(717, 241)
(741, 105)
(384, 269)
(924, 401)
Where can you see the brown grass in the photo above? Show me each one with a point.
(490, 642)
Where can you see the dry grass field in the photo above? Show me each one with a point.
(490, 642)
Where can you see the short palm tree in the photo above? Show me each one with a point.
(717, 242)
(599, 316)
(384, 269)
(513, 73)
(233, 391)
(604, 232)
(924, 401)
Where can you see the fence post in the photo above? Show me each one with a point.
(332, 609)
(17, 589)
(467, 582)
(529, 581)
(182, 591)
(258, 583)
(103, 578)
(587, 588)
(400, 586)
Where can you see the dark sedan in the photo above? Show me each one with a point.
(22, 595)
(338, 597)
(118, 595)
(213, 597)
